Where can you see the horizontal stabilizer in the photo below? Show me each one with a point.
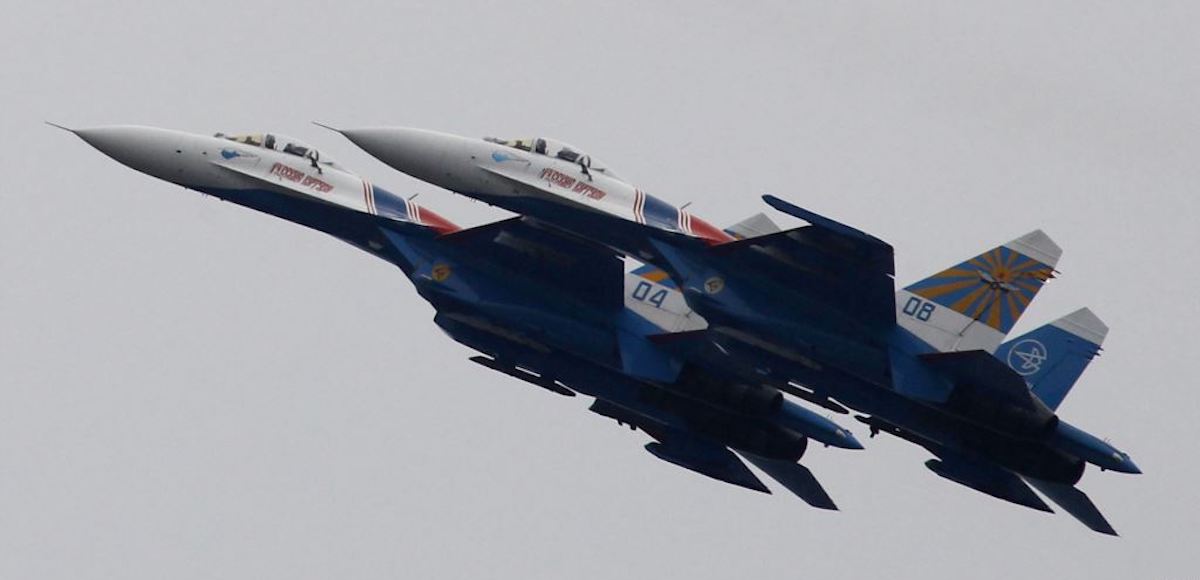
(990, 479)
(705, 458)
(797, 478)
(1076, 503)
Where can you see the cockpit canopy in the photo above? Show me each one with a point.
(558, 149)
(281, 143)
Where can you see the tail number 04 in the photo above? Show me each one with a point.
(646, 293)
(919, 309)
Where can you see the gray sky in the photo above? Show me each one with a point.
(194, 390)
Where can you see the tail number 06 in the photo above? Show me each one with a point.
(919, 309)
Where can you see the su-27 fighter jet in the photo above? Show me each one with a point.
(814, 308)
(552, 310)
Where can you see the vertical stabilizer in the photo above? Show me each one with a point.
(972, 305)
(1052, 357)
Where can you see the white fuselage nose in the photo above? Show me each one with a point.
(442, 159)
(223, 167)
(182, 158)
(153, 151)
(290, 182)
(500, 173)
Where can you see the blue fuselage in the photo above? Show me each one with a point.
(804, 339)
(518, 312)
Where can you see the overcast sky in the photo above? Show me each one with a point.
(193, 390)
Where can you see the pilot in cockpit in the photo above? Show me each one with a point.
(290, 146)
(556, 149)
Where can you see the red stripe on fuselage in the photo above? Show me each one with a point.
(430, 218)
(708, 232)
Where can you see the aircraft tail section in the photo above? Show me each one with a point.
(973, 304)
(1051, 358)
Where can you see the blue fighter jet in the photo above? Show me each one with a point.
(539, 305)
(813, 311)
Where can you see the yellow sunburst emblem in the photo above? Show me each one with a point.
(440, 272)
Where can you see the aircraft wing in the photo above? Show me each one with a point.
(840, 265)
(584, 269)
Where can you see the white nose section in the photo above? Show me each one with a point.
(150, 150)
(417, 152)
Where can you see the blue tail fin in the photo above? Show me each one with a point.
(1052, 357)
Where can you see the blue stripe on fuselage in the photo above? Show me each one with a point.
(389, 205)
(661, 214)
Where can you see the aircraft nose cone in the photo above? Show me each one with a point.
(417, 152)
(146, 149)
